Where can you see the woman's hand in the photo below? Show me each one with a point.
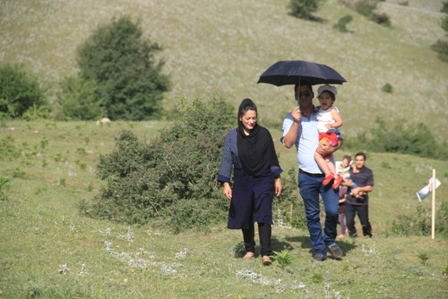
(278, 186)
(227, 190)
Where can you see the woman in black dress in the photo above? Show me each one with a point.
(249, 150)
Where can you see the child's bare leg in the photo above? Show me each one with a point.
(330, 166)
(322, 163)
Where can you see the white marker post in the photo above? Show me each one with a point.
(433, 216)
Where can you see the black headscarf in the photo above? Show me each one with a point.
(256, 150)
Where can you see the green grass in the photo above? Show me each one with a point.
(218, 47)
(223, 47)
(48, 250)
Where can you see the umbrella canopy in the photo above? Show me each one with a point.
(292, 71)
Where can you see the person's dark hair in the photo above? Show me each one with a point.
(361, 154)
(245, 106)
(300, 83)
(347, 157)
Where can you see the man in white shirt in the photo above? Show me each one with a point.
(300, 129)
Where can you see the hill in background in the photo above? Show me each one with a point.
(222, 47)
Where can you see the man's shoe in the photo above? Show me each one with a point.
(328, 179)
(337, 182)
(319, 257)
(336, 252)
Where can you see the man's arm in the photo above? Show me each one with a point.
(290, 138)
(358, 191)
(326, 149)
(337, 119)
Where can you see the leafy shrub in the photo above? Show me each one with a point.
(8, 148)
(423, 256)
(3, 186)
(414, 139)
(341, 25)
(129, 80)
(78, 100)
(444, 8)
(317, 278)
(37, 113)
(303, 9)
(18, 91)
(283, 258)
(442, 219)
(367, 9)
(290, 198)
(382, 19)
(413, 224)
(445, 25)
(18, 173)
(171, 179)
(441, 47)
(387, 88)
(419, 222)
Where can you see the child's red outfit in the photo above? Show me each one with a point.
(326, 135)
(330, 138)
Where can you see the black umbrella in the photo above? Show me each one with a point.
(293, 71)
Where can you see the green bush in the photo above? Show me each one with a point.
(121, 62)
(367, 9)
(37, 113)
(381, 19)
(79, 101)
(19, 92)
(418, 223)
(290, 203)
(444, 8)
(8, 149)
(441, 47)
(387, 88)
(3, 187)
(171, 179)
(445, 25)
(303, 9)
(413, 224)
(341, 25)
(413, 139)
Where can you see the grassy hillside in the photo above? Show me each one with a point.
(216, 46)
(48, 250)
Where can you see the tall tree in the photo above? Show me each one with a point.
(79, 100)
(19, 91)
(128, 77)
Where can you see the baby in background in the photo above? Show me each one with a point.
(343, 167)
